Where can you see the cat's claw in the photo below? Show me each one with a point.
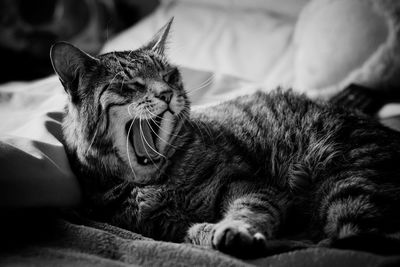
(237, 239)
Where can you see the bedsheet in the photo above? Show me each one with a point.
(50, 240)
(247, 39)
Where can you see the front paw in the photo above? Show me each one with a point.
(145, 200)
(238, 239)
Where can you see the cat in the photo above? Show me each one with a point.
(236, 177)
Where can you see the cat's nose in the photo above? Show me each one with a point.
(165, 96)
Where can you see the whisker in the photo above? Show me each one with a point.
(207, 130)
(92, 141)
(115, 76)
(201, 86)
(211, 78)
(144, 138)
(100, 117)
(161, 129)
(191, 92)
(169, 144)
(157, 116)
(130, 52)
(194, 125)
(151, 128)
(122, 85)
(129, 110)
(119, 62)
(127, 148)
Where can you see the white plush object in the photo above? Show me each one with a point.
(281, 7)
(338, 42)
(241, 38)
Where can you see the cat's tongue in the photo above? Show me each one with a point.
(143, 141)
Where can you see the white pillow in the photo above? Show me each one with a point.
(338, 42)
(286, 7)
(239, 42)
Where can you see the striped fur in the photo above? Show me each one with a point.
(236, 177)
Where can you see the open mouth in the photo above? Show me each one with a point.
(149, 137)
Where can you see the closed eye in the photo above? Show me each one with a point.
(172, 76)
(137, 85)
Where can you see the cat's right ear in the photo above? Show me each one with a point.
(70, 63)
(159, 40)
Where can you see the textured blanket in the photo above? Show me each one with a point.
(39, 239)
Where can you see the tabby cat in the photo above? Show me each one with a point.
(240, 177)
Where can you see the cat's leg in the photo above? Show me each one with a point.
(248, 222)
(356, 213)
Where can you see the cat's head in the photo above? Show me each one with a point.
(125, 108)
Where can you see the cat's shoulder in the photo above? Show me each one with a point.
(278, 98)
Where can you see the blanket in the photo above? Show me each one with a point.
(31, 117)
(39, 238)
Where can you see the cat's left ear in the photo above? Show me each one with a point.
(70, 63)
(159, 40)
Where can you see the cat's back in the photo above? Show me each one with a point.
(264, 117)
(283, 133)
(253, 131)
(270, 107)
(280, 114)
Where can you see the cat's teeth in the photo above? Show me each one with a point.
(145, 161)
(166, 128)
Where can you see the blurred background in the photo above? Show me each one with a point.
(318, 47)
(29, 27)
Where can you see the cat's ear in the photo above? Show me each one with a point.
(159, 40)
(70, 63)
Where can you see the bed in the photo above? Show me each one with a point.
(225, 49)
